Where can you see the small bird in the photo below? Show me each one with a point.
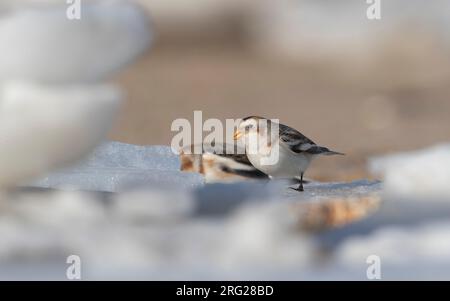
(295, 151)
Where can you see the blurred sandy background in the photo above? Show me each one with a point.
(358, 86)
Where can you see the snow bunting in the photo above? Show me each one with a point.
(294, 151)
(219, 167)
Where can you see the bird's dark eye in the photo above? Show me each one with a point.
(248, 127)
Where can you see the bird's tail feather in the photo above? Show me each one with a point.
(320, 150)
(331, 153)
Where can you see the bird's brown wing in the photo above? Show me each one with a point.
(240, 158)
(299, 143)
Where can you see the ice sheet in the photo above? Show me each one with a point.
(116, 166)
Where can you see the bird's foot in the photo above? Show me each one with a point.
(297, 189)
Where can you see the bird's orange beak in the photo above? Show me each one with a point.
(237, 135)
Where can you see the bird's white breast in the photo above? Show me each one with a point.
(288, 165)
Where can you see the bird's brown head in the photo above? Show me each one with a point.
(249, 125)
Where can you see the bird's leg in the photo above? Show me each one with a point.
(300, 187)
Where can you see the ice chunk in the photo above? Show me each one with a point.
(57, 209)
(422, 174)
(39, 43)
(43, 128)
(116, 166)
(262, 234)
(117, 155)
(420, 252)
(116, 180)
(402, 245)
